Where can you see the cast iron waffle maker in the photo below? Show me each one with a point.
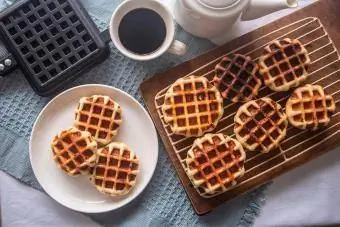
(52, 42)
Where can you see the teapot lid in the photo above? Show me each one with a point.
(217, 4)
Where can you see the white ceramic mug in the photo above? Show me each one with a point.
(170, 44)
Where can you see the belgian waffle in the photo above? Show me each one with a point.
(260, 125)
(237, 78)
(115, 170)
(192, 106)
(74, 150)
(214, 162)
(309, 107)
(99, 115)
(284, 64)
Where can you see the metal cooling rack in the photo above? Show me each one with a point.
(316, 40)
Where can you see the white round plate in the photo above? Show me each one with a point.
(137, 131)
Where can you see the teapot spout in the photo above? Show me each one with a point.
(259, 8)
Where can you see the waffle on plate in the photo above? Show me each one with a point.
(99, 115)
(74, 151)
(115, 170)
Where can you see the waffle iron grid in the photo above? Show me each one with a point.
(52, 40)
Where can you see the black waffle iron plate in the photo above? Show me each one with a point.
(52, 41)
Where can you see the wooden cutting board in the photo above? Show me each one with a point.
(318, 28)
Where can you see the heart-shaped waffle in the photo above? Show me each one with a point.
(214, 162)
(309, 107)
(284, 64)
(115, 170)
(192, 106)
(99, 115)
(237, 78)
(260, 125)
(74, 151)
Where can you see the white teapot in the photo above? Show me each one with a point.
(212, 18)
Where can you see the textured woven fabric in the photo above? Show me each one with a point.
(164, 201)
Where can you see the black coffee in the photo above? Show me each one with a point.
(142, 31)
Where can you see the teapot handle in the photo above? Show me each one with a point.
(178, 48)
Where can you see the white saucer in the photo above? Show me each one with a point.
(77, 193)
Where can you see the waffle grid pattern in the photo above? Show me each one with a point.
(116, 169)
(192, 106)
(284, 64)
(260, 125)
(237, 78)
(309, 107)
(214, 163)
(49, 36)
(74, 151)
(99, 115)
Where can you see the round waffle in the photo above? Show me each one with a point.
(309, 107)
(284, 64)
(214, 162)
(99, 115)
(237, 78)
(260, 125)
(115, 170)
(74, 150)
(192, 106)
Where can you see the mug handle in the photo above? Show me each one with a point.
(178, 48)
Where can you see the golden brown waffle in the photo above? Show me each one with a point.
(237, 78)
(115, 170)
(99, 115)
(214, 162)
(284, 64)
(74, 150)
(309, 107)
(260, 125)
(192, 106)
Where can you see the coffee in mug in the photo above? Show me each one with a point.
(144, 29)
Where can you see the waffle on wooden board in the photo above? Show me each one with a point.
(316, 26)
